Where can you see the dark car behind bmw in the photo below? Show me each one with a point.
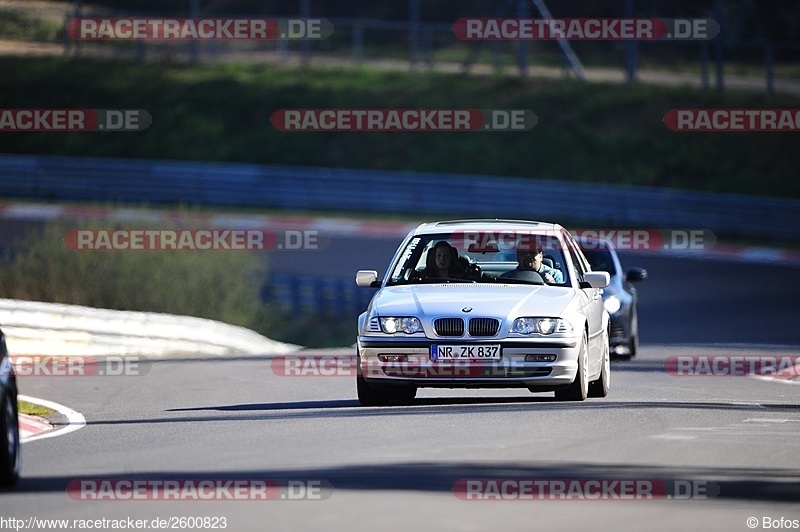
(619, 297)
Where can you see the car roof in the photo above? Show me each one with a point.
(489, 224)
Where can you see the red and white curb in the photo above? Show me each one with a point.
(32, 429)
(787, 376)
(30, 426)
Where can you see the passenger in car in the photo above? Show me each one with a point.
(531, 260)
(442, 262)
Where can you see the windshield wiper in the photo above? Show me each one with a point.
(434, 280)
(511, 280)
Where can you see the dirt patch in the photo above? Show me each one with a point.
(30, 48)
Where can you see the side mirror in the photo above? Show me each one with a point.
(367, 278)
(596, 279)
(636, 274)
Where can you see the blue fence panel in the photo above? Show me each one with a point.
(296, 295)
(372, 191)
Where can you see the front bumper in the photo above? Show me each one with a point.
(511, 371)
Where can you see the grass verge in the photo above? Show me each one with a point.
(30, 409)
(218, 285)
(590, 133)
(18, 25)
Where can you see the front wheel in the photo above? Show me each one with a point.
(599, 388)
(9, 440)
(633, 346)
(369, 396)
(579, 389)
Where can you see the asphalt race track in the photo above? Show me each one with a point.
(733, 440)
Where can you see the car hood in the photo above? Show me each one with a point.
(495, 300)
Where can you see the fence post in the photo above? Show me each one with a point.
(522, 51)
(428, 38)
(194, 12)
(770, 68)
(305, 44)
(282, 49)
(67, 39)
(413, 33)
(630, 47)
(358, 43)
(78, 14)
(704, 64)
(718, 47)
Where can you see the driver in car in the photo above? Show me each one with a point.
(531, 260)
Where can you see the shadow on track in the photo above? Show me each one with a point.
(344, 408)
(754, 484)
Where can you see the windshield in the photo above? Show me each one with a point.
(600, 260)
(449, 258)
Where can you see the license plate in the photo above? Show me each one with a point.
(465, 352)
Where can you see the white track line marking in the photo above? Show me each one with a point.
(76, 419)
(773, 379)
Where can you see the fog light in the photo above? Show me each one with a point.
(392, 358)
(620, 350)
(540, 358)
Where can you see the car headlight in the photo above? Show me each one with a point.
(612, 304)
(541, 326)
(408, 325)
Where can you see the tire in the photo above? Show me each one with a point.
(633, 345)
(633, 340)
(9, 439)
(599, 388)
(579, 389)
(369, 396)
(402, 395)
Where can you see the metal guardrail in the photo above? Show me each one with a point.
(373, 191)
